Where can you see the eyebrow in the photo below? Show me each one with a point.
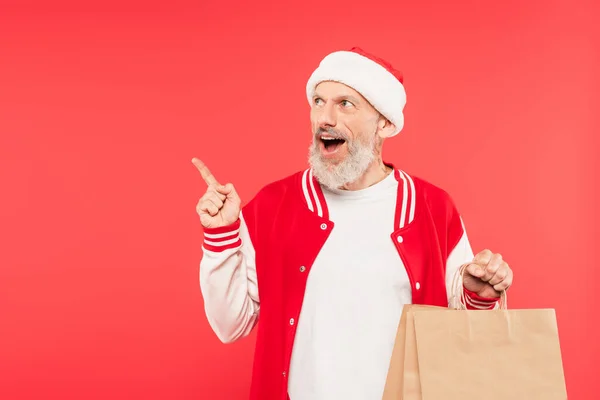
(341, 97)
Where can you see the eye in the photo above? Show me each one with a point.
(346, 104)
(318, 101)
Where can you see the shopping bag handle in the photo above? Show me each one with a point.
(458, 299)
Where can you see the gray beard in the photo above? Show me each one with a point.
(333, 176)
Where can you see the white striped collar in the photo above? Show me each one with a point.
(313, 195)
(405, 206)
(407, 194)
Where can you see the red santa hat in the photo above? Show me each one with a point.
(375, 79)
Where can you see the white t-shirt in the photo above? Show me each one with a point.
(354, 296)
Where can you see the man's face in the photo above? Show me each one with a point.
(344, 126)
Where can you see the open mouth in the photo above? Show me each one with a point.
(331, 144)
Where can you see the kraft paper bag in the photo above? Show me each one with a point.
(395, 378)
(451, 354)
(403, 373)
(403, 380)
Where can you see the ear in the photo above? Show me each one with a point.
(385, 128)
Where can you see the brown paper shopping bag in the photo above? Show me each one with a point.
(454, 353)
(403, 374)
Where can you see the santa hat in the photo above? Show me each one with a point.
(375, 79)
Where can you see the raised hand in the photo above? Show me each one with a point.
(220, 205)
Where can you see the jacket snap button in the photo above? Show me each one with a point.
(291, 321)
(418, 285)
(399, 239)
(323, 226)
(302, 269)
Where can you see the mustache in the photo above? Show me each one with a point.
(333, 132)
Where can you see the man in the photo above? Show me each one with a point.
(327, 257)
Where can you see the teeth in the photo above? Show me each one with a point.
(328, 138)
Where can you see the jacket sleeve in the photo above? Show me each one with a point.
(228, 281)
(460, 254)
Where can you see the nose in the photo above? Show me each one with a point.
(326, 116)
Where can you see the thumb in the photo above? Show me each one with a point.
(228, 190)
(475, 270)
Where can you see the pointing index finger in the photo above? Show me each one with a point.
(205, 172)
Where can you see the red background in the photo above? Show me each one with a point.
(102, 108)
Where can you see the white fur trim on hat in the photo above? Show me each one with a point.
(373, 81)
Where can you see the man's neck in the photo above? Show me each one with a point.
(376, 172)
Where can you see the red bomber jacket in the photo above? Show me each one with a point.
(259, 265)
